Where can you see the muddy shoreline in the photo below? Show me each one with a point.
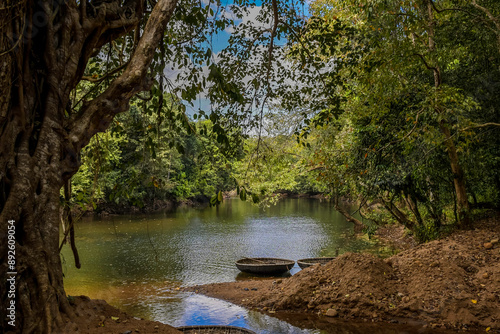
(448, 284)
(452, 283)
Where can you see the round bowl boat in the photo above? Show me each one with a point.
(264, 265)
(304, 263)
(214, 330)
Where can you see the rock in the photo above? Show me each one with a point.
(488, 245)
(246, 289)
(331, 313)
(127, 332)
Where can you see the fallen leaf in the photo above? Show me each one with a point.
(474, 301)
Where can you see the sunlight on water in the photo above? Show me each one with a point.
(139, 263)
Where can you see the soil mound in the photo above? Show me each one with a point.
(449, 283)
(343, 280)
(97, 316)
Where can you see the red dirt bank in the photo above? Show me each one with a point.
(448, 283)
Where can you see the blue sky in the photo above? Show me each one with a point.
(218, 43)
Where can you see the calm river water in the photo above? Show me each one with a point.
(139, 263)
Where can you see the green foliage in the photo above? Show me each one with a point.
(426, 232)
(394, 80)
(274, 163)
(143, 158)
(365, 99)
(389, 144)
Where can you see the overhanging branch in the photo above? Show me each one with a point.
(480, 126)
(96, 115)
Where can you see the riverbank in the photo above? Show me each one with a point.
(450, 283)
(97, 316)
(107, 208)
(111, 209)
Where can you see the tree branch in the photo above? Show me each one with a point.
(425, 62)
(480, 126)
(273, 34)
(405, 136)
(493, 19)
(96, 115)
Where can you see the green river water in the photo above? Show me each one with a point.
(140, 263)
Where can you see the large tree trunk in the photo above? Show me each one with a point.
(32, 201)
(41, 140)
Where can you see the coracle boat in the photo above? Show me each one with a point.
(214, 330)
(304, 263)
(264, 265)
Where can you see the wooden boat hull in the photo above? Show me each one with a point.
(264, 265)
(304, 263)
(214, 330)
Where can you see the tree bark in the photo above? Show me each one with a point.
(398, 215)
(492, 19)
(358, 225)
(40, 144)
(413, 205)
(458, 175)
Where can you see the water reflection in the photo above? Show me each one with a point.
(138, 263)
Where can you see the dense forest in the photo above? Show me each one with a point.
(139, 161)
(412, 136)
(392, 105)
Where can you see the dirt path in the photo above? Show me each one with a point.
(450, 283)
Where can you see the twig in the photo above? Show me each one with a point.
(480, 126)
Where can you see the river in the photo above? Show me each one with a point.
(139, 263)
